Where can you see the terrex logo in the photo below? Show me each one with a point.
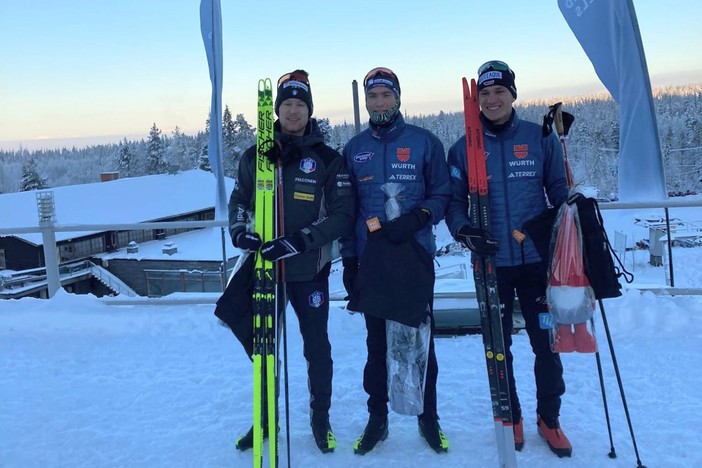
(403, 154)
(521, 151)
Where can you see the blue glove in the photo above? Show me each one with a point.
(404, 228)
(248, 241)
(478, 240)
(283, 247)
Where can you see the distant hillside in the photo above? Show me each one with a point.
(592, 144)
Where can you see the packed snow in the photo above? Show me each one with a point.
(85, 383)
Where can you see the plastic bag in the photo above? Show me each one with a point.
(570, 297)
(392, 205)
(407, 357)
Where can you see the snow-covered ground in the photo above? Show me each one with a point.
(85, 384)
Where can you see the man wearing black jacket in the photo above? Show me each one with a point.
(318, 207)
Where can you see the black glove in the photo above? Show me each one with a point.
(273, 153)
(477, 240)
(402, 229)
(248, 241)
(283, 247)
(350, 273)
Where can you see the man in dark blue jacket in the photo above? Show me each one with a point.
(399, 170)
(526, 172)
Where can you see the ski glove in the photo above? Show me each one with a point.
(350, 273)
(283, 247)
(478, 240)
(402, 229)
(248, 241)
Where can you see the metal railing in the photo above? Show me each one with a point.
(666, 205)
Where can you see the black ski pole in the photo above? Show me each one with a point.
(612, 453)
(619, 382)
(285, 372)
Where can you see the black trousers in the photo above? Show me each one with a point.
(529, 284)
(310, 300)
(375, 373)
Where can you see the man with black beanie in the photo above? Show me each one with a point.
(393, 164)
(318, 207)
(526, 173)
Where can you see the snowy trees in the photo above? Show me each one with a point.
(155, 153)
(126, 159)
(240, 137)
(592, 144)
(31, 180)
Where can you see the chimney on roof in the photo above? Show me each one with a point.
(108, 176)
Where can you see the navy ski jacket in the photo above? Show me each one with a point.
(406, 160)
(524, 168)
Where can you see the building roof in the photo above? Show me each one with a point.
(121, 201)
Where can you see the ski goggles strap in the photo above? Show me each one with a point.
(493, 65)
(297, 75)
(383, 71)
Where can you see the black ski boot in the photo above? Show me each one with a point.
(322, 433)
(245, 442)
(376, 430)
(431, 431)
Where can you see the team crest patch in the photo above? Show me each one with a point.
(403, 154)
(521, 151)
(308, 165)
(316, 299)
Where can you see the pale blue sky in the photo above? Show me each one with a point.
(73, 69)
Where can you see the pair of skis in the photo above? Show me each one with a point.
(265, 359)
(486, 281)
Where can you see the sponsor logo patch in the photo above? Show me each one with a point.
(303, 196)
(521, 151)
(403, 154)
(363, 157)
(491, 75)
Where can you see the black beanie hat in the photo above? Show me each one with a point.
(494, 73)
(294, 85)
(384, 77)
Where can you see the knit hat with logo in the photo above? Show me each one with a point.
(295, 84)
(494, 73)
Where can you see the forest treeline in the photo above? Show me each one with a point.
(592, 145)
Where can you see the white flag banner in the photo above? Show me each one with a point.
(609, 34)
(211, 28)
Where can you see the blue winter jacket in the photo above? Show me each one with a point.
(404, 154)
(523, 168)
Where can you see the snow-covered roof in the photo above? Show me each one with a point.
(121, 201)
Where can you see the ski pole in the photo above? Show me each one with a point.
(562, 131)
(282, 301)
(612, 453)
(619, 382)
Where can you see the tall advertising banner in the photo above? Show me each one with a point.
(609, 34)
(211, 28)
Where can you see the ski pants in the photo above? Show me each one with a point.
(310, 300)
(375, 373)
(529, 283)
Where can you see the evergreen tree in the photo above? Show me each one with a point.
(203, 161)
(31, 180)
(155, 153)
(326, 129)
(244, 137)
(126, 161)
